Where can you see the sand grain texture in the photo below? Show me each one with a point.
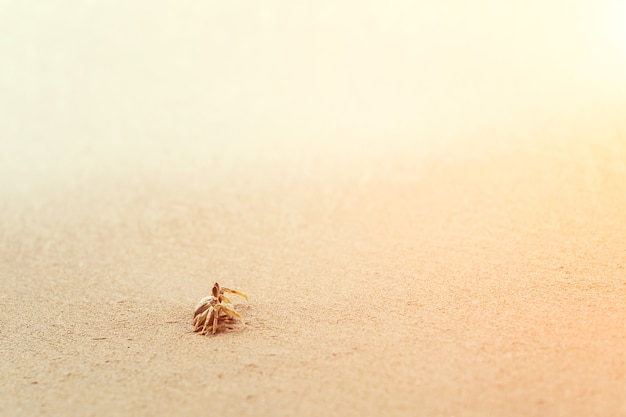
(432, 248)
(480, 288)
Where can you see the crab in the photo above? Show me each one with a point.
(212, 308)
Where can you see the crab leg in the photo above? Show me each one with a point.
(232, 314)
(199, 319)
(211, 314)
(216, 316)
(239, 293)
(226, 299)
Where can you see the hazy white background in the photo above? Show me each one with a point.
(95, 86)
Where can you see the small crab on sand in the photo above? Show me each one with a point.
(215, 307)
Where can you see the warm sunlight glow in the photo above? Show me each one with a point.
(617, 26)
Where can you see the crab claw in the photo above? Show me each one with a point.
(239, 293)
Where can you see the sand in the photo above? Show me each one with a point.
(426, 254)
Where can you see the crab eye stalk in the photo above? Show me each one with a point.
(216, 290)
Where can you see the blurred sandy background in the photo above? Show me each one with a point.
(425, 201)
